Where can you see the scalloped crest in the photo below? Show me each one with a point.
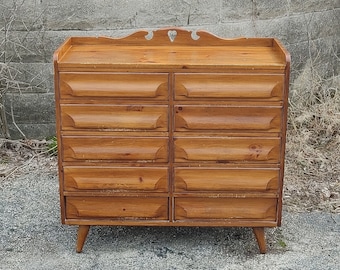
(175, 36)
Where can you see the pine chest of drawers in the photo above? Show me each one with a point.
(171, 128)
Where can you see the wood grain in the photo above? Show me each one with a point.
(224, 149)
(134, 117)
(225, 208)
(113, 148)
(86, 57)
(116, 207)
(116, 178)
(217, 86)
(114, 85)
(220, 179)
(228, 118)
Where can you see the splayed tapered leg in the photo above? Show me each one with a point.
(261, 241)
(83, 230)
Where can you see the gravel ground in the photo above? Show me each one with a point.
(32, 237)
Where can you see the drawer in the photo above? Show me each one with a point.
(151, 149)
(117, 207)
(116, 178)
(225, 86)
(214, 118)
(115, 85)
(114, 118)
(225, 208)
(217, 179)
(223, 150)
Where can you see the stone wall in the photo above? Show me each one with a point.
(32, 29)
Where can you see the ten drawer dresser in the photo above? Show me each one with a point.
(171, 128)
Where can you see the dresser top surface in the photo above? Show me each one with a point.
(165, 52)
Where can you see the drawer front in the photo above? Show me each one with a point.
(217, 179)
(191, 118)
(117, 207)
(225, 86)
(224, 150)
(116, 178)
(225, 208)
(116, 118)
(115, 85)
(152, 149)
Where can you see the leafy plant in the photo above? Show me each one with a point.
(282, 243)
(52, 146)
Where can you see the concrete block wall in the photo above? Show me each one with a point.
(30, 31)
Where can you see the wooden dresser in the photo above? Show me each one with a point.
(171, 128)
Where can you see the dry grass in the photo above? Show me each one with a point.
(312, 176)
(15, 155)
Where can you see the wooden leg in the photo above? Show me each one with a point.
(259, 234)
(83, 230)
